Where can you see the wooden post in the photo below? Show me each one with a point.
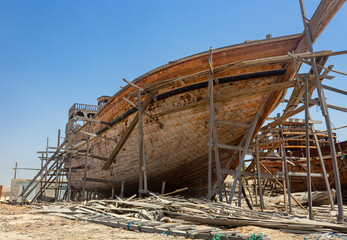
(57, 169)
(326, 180)
(112, 193)
(284, 183)
(85, 166)
(15, 171)
(308, 164)
(121, 195)
(69, 180)
(210, 123)
(257, 159)
(45, 184)
(214, 134)
(284, 157)
(142, 175)
(325, 113)
(163, 187)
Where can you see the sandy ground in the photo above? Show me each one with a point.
(16, 223)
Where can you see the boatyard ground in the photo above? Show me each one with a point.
(17, 223)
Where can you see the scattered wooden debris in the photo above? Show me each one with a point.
(182, 216)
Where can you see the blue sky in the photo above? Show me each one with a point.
(56, 53)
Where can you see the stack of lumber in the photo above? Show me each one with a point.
(187, 217)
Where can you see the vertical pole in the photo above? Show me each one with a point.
(15, 171)
(325, 176)
(214, 132)
(112, 193)
(239, 192)
(41, 175)
(45, 184)
(284, 156)
(325, 113)
(56, 169)
(69, 180)
(308, 164)
(257, 161)
(210, 123)
(284, 181)
(142, 175)
(121, 195)
(163, 187)
(84, 197)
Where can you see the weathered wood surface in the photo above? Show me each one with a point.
(181, 143)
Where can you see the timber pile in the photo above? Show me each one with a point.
(182, 216)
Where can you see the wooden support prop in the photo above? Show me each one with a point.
(257, 159)
(126, 135)
(329, 9)
(213, 136)
(163, 187)
(334, 89)
(285, 165)
(321, 66)
(86, 166)
(142, 157)
(242, 158)
(141, 89)
(342, 109)
(112, 193)
(92, 120)
(121, 195)
(98, 136)
(325, 175)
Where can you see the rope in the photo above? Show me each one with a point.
(142, 224)
(164, 233)
(128, 226)
(256, 236)
(218, 236)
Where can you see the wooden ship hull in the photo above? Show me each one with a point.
(252, 77)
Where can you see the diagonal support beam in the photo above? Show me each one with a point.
(126, 135)
(239, 168)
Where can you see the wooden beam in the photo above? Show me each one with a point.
(92, 120)
(126, 135)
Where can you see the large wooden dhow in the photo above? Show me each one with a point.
(250, 80)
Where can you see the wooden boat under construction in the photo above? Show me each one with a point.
(250, 78)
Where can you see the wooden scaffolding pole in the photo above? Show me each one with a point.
(143, 175)
(84, 197)
(308, 164)
(213, 141)
(320, 155)
(257, 159)
(325, 113)
(284, 157)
